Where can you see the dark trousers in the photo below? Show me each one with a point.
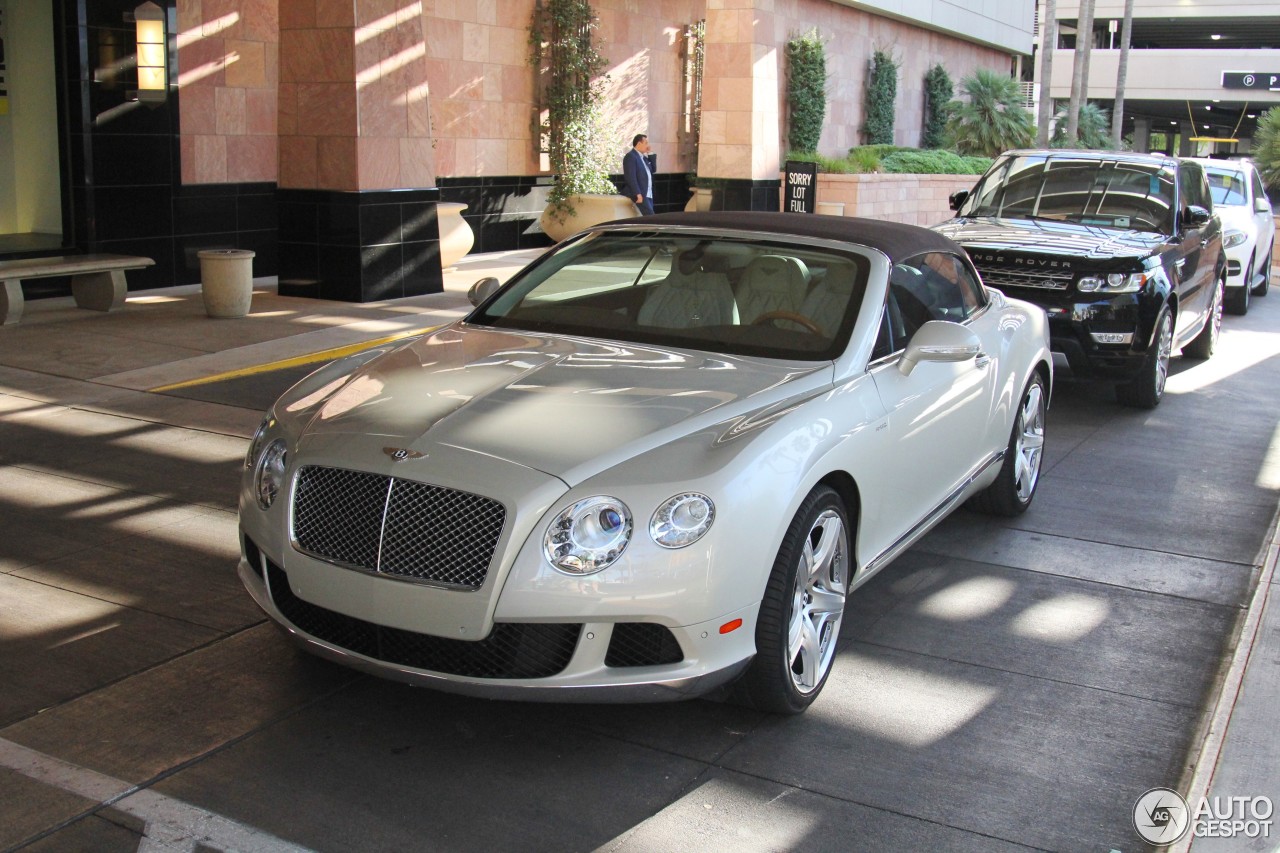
(646, 209)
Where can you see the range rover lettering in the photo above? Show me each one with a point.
(1122, 251)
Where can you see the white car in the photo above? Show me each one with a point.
(1248, 228)
(651, 465)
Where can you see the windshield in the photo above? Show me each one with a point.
(727, 295)
(1090, 191)
(1226, 187)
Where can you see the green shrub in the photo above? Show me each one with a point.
(993, 118)
(1093, 129)
(938, 93)
(933, 162)
(866, 158)
(830, 165)
(806, 89)
(882, 90)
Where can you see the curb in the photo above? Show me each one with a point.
(1205, 766)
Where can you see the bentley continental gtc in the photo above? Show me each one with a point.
(650, 466)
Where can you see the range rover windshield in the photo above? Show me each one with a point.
(1087, 190)
(721, 294)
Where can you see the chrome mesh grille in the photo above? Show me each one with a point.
(394, 526)
(1002, 277)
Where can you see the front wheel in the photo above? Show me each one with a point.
(803, 606)
(1015, 486)
(1147, 388)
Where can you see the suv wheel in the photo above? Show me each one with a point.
(1238, 297)
(1203, 344)
(1145, 391)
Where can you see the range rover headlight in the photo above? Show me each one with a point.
(270, 475)
(1116, 282)
(682, 520)
(1233, 238)
(588, 536)
(255, 446)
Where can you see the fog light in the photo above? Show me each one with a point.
(1112, 337)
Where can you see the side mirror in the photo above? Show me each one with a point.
(957, 199)
(939, 340)
(483, 289)
(1261, 205)
(1195, 216)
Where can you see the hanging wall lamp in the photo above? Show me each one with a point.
(153, 51)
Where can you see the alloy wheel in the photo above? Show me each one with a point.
(1030, 443)
(822, 581)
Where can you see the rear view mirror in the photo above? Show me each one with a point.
(483, 289)
(1194, 216)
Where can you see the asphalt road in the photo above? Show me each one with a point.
(1007, 684)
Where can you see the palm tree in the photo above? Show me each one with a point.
(1092, 132)
(1265, 150)
(1049, 27)
(1122, 75)
(1080, 67)
(992, 119)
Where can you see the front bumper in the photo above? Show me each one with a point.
(708, 659)
(1104, 337)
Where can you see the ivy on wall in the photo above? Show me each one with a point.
(938, 92)
(806, 89)
(882, 90)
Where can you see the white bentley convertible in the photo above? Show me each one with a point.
(651, 465)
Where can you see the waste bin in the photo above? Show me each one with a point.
(226, 278)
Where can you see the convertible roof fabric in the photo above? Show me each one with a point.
(895, 239)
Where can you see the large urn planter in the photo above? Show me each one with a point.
(589, 209)
(456, 236)
(699, 200)
(226, 281)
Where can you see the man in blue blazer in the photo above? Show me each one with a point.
(636, 174)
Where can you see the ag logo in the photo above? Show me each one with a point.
(1161, 816)
(399, 454)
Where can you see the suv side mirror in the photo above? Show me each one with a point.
(957, 199)
(1194, 216)
(1261, 205)
(482, 290)
(939, 340)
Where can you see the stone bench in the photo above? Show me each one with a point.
(97, 281)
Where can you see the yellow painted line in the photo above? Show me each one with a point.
(296, 361)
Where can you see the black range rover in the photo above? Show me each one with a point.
(1121, 250)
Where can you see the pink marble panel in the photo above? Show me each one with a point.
(446, 152)
(199, 115)
(327, 109)
(335, 13)
(491, 83)
(190, 16)
(225, 15)
(444, 38)
(379, 163)
(417, 163)
(297, 15)
(375, 13)
(209, 155)
(517, 84)
(381, 111)
(271, 56)
(475, 42)
(418, 114)
(261, 112)
(298, 158)
(287, 109)
(187, 155)
(231, 118)
(317, 56)
(251, 158)
(261, 19)
(202, 62)
(246, 64)
(509, 45)
(337, 163)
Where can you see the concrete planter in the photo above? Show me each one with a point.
(700, 200)
(831, 208)
(456, 236)
(591, 209)
(226, 278)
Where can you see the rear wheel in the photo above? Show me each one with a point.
(803, 606)
(1205, 342)
(1261, 290)
(1013, 489)
(1147, 388)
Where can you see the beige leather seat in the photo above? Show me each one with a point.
(772, 283)
(688, 297)
(827, 302)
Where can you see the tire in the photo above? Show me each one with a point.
(1261, 290)
(1015, 486)
(799, 622)
(1238, 298)
(1203, 345)
(1146, 390)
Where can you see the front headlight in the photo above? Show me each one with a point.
(255, 446)
(1233, 238)
(270, 476)
(588, 536)
(682, 520)
(1116, 282)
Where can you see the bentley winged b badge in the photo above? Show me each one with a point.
(399, 454)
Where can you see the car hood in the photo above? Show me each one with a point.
(1044, 237)
(566, 406)
(1235, 216)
